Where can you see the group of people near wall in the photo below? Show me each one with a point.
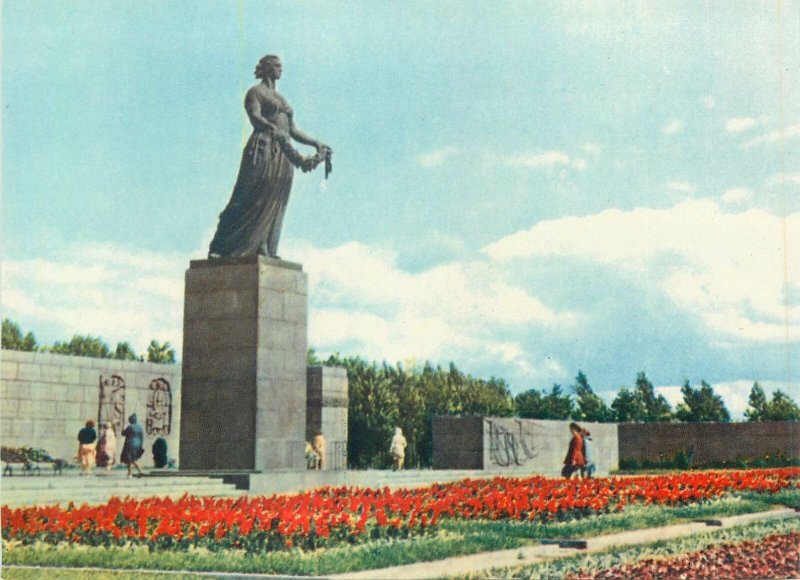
(579, 459)
(315, 451)
(102, 450)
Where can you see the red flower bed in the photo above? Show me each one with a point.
(336, 515)
(773, 557)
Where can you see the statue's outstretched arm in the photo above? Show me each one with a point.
(301, 137)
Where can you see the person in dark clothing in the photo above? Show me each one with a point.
(133, 448)
(574, 460)
(160, 452)
(87, 450)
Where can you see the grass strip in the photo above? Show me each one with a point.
(453, 538)
(68, 574)
(635, 517)
(616, 556)
(378, 554)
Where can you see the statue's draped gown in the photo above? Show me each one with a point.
(251, 223)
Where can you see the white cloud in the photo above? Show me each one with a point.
(734, 271)
(737, 195)
(102, 290)
(740, 124)
(592, 149)
(553, 159)
(513, 354)
(438, 157)
(544, 159)
(681, 187)
(709, 102)
(783, 134)
(783, 178)
(579, 164)
(361, 301)
(673, 127)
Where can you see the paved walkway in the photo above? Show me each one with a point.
(520, 556)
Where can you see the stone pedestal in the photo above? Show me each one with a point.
(244, 365)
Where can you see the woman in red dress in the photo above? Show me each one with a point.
(575, 460)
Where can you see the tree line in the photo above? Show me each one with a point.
(90, 346)
(384, 396)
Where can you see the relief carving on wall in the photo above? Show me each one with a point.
(112, 402)
(509, 445)
(159, 408)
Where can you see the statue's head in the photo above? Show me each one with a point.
(269, 67)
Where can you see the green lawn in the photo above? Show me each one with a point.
(452, 538)
(38, 573)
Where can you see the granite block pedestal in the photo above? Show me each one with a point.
(244, 365)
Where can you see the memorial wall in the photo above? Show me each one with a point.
(516, 446)
(45, 399)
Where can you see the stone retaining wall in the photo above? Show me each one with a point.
(516, 446)
(45, 399)
(708, 442)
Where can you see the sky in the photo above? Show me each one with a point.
(527, 189)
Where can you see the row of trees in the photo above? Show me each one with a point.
(79, 345)
(640, 404)
(383, 397)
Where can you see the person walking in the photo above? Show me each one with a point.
(107, 446)
(588, 456)
(133, 448)
(398, 449)
(87, 447)
(574, 460)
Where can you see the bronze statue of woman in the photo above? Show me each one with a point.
(251, 223)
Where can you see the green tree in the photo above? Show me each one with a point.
(590, 407)
(160, 352)
(758, 409)
(312, 359)
(628, 407)
(701, 404)
(79, 345)
(656, 407)
(372, 412)
(13, 339)
(124, 351)
(533, 404)
(412, 414)
(783, 408)
(383, 397)
(490, 398)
